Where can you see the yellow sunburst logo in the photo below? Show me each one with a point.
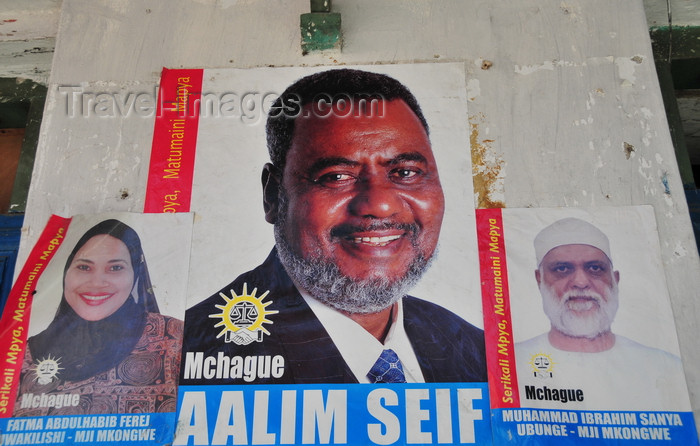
(47, 369)
(242, 317)
(542, 365)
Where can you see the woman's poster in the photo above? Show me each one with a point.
(96, 323)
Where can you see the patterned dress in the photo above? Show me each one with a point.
(143, 382)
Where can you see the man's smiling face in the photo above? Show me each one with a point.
(362, 193)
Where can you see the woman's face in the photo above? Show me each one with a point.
(100, 278)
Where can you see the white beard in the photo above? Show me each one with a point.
(565, 316)
(322, 279)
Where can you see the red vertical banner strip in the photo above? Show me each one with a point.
(169, 187)
(498, 330)
(14, 324)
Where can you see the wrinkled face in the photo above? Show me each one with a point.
(579, 290)
(100, 278)
(363, 193)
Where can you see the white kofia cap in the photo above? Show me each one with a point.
(570, 231)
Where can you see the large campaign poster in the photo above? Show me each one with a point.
(264, 363)
(92, 334)
(581, 341)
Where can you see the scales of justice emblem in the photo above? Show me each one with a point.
(242, 317)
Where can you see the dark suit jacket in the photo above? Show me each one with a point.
(448, 348)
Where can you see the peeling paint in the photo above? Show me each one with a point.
(223, 4)
(645, 125)
(647, 113)
(572, 11)
(590, 102)
(649, 179)
(652, 180)
(625, 70)
(473, 89)
(487, 169)
(664, 181)
(585, 121)
(549, 65)
(600, 163)
(529, 69)
(679, 250)
(599, 60)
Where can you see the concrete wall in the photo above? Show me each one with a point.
(564, 103)
(28, 37)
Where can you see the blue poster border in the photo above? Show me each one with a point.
(524, 426)
(103, 430)
(395, 414)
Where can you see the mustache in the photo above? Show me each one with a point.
(582, 295)
(346, 230)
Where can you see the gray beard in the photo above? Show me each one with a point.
(322, 279)
(568, 322)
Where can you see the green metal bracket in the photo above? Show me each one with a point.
(320, 5)
(320, 29)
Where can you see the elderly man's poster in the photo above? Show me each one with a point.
(93, 332)
(315, 268)
(580, 336)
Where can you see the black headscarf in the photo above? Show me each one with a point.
(86, 348)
